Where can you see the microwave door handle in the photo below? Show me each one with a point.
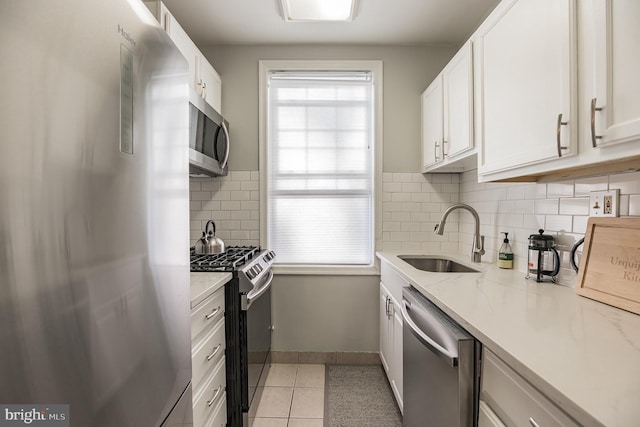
(226, 155)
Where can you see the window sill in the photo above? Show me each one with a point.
(326, 270)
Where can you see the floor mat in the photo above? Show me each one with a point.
(358, 396)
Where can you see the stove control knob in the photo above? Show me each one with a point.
(259, 268)
(272, 254)
(250, 274)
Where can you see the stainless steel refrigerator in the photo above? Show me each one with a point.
(94, 275)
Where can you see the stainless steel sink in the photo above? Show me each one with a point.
(436, 265)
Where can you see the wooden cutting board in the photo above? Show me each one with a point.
(610, 264)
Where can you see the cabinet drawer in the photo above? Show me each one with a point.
(488, 418)
(207, 398)
(219, 416)
(207, 353)
(208, 314)
(514, 400)
(392, 281)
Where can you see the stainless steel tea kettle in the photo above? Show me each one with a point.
(209, 243)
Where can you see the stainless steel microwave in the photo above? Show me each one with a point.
(209, 141)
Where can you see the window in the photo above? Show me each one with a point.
(318, 164)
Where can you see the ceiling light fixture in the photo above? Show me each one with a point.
(318, 10)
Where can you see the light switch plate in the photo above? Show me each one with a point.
(604, 203)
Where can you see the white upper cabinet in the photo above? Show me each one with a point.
(457, 80)
(528, 85)
(615, 106)
(208, 83)
(203, 78)
(447, 116)
(432, 124)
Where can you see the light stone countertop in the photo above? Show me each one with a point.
(204, 284)
(583, 354)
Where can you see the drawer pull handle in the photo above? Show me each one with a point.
(533, 422)
(559, 143)
(212, 314)
(594, 137)
(215, 351)
(215, 396)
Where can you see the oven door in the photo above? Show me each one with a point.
(255, 330)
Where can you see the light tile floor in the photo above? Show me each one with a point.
(291, 395)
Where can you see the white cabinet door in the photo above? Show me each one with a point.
(184, 44)
(432, 124)
(457, 80)
(209, 84)
(386, 331)
(528, 85)
(616, 109)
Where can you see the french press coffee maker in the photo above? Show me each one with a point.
(543, 259)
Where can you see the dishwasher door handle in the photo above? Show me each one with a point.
(451, 358)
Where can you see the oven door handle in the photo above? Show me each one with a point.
(257, 293)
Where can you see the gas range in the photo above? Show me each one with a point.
(249, 263)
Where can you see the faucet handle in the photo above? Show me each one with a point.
(481, 248)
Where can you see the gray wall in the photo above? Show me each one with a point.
(325, 313)
(407, 72)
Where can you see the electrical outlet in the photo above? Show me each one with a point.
(604, 203)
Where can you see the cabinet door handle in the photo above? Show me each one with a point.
(533, 422)
(215, 396)
(213, 354)
(435, 151)
(594, 137)
(560, 124)
(212, 314)
(444, 141)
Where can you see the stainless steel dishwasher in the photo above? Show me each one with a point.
(440, 365)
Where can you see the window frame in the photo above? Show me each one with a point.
(376, 69)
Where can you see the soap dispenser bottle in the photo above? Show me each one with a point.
(505, 254)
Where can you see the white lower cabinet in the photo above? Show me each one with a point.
(508, 399)
(208, 362)
(391, 329)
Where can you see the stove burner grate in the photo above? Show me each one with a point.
(230, 260)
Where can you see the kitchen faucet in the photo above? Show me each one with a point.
(477, 249)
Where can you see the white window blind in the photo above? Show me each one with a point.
(320, 167)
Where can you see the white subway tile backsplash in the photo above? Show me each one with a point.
(574, 206)
(634, 205)
(402, 177)
(411, 187)
(546, 206)
(628, 183)
(585, 186)
(515, 193)
(560, 189)
(232, 202)
(558, 223)
(580, 224)
(623, 205)
(535, 191)
(560, 208)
